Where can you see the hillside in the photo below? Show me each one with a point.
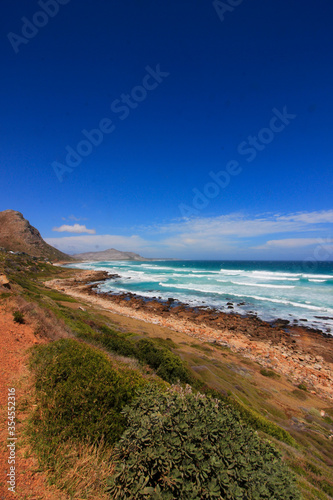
(116, 407)
(18, 235)
(106, 255)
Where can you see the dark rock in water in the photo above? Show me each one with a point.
(170, 300)
(302, 319)
(113, 276)
(241, 304)
(230, 307)
(281, 322)
(324, 317)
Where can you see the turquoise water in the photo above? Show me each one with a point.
(287, 290)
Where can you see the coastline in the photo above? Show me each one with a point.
(303, 355)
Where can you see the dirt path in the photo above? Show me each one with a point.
(15, 339)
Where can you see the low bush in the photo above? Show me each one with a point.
(160, 358)
(299, 394)
(269, 373)
(117, 342)
(80, 395)
(184, 446)
(248, 415)
(257, 421)
(18, 317)
(167, 365)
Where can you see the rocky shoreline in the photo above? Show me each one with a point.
(304, 355)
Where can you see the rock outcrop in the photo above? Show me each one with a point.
(18, 235)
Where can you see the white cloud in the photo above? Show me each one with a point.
(234, 235)
(241, 226)
(76, 228)
(289, 243)
(324, 216)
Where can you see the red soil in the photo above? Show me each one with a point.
(15, 339)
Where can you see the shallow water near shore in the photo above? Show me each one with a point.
(300, 292)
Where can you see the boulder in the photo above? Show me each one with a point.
(4, 281)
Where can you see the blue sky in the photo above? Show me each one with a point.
(187, 129)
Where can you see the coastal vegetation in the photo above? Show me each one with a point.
(18, 317)
(179, 444)
(97, 389)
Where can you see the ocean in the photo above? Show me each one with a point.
(288, 290)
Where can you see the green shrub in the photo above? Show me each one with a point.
(117, 342)
(257, 421)
(269, 373)
(303, 387)
(151, 352)
(299, 394)
(80, 395)
(248, 415)
(186, 446)
(167, 365)
(18, 317)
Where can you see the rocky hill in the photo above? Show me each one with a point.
(18, 235)
(106, 255)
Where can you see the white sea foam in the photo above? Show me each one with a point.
(272, 274)
(272, 278)
(317, 276)
(157, 267)
(231, 272)
(249, 283)
(286, 302)
(261, 285)
(206, 272)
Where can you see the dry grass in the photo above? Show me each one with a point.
(82, 470)
(45, 322)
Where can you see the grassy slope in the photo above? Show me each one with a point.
(262, 399)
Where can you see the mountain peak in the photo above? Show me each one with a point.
(107, 255)
(18, 235)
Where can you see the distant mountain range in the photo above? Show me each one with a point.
(106, 255)
(18, 235)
